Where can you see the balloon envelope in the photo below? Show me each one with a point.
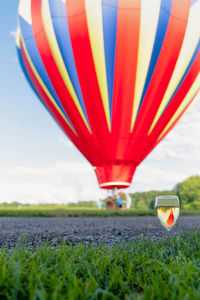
(116, 75)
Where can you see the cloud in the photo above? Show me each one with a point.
(59, 183)
(175, 158)
(13, 33)
(65, 141)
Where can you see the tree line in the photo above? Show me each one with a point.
(188, 192)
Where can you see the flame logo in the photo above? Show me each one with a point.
(170, 220)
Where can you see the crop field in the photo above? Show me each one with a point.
(167, 269)
(64, 211)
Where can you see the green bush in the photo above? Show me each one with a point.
(188, 192)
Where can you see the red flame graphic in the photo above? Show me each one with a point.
(170, 220)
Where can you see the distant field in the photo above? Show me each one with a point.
(142, 269)
(43, 211)
(64, 211)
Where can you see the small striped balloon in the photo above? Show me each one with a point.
(116, 75)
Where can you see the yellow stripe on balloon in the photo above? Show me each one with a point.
(18, 37)
(51, 37)
(24, 10)
(95, 27)
(192, 92)
(45, 88)
(148, 25)
(189, 45)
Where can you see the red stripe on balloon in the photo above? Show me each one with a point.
(47, 101)
(177, 99)
(150, 149)
(176, 121)
(152, 141)
(81, 46)
(164, 68)
(87, 148)
(53, 72)
(128, 24)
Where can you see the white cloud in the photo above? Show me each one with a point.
(13, 33)
(59, 183)
(65, 141)
(175, 158)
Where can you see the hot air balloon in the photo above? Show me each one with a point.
(116, 75)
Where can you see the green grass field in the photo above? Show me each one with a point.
(168, 269)
(64, 211)
(39, 211)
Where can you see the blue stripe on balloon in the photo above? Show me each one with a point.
(59, 19)
(163, 21)
(193, 2)
(186, 71)
(109, 12)
(28, 77)
(28, 38)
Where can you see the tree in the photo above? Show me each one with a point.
(146, 200)
(188, 192)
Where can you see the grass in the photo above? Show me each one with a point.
(168, 269)
(64, 211)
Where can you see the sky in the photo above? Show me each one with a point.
(38, 164)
